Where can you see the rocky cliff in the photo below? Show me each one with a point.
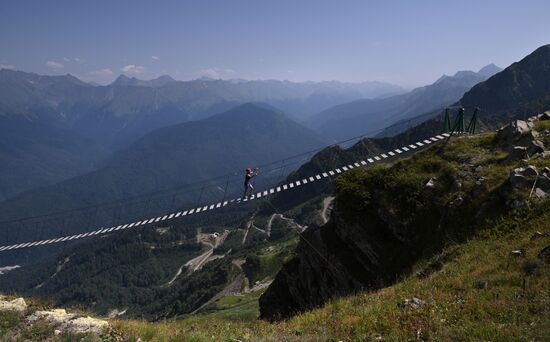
(388, 218)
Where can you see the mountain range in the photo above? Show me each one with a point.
(521, 90)
(370, 116)
(176, 156)
(74, 124)
(147, 258)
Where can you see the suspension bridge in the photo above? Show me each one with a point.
(448, 131)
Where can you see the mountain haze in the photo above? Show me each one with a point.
(372, 115)
(248, 135)
(89, 122)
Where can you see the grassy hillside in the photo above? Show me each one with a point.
(481, 292)
(477, 291)
(494, 285)
(491, 283)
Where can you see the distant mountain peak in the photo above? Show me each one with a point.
(164, 78)
(121, 80)
(124, 80)
(463, 73)
(489, 70)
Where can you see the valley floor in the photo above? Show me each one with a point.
(496, 287)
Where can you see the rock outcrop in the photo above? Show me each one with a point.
(59, 319)
(369, 244)
(386, 222)
(520, 139)
(65, 321)
(17, 304)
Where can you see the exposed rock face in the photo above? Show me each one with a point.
(383, 222)
(370, 245)
(350, 255)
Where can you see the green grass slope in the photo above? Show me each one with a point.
(476, 287)
(482, 292)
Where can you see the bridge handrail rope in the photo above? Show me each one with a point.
(199, 184)
(261, 194)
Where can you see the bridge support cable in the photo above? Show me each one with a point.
(118, 225)
(190, 186)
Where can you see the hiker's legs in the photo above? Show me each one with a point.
(248, 188)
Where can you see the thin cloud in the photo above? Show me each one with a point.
(155, 58)
(102, 72)
(7, 66)
(132, 69)
(101, 76)
(216, 73)
(54, 65)
(67, 59)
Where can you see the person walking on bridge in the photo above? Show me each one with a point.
(248, 187)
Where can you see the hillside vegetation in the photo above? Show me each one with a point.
(386, 219)
(487, 280)
(171, 158)
(486, 276)
(482, 292)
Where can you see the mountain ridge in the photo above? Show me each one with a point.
(374, 115)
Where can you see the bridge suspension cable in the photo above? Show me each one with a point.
(271, 166)
(213, 206)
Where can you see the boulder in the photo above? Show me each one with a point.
(17, 304)
(456, 202)
(413, 303)
(536, 146)
(539, 235)
(522, 127)
(86, 325)
(530, 171)
(543, 182)
(457, 185)
(518, 152)
(544, 116)
(517, 253)
(56, 315)
(69, 322)
(517, 179)
(511, 133)
(431, 183)
(540, 193)
(515, 204)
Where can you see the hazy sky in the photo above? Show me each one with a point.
(404, 42)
